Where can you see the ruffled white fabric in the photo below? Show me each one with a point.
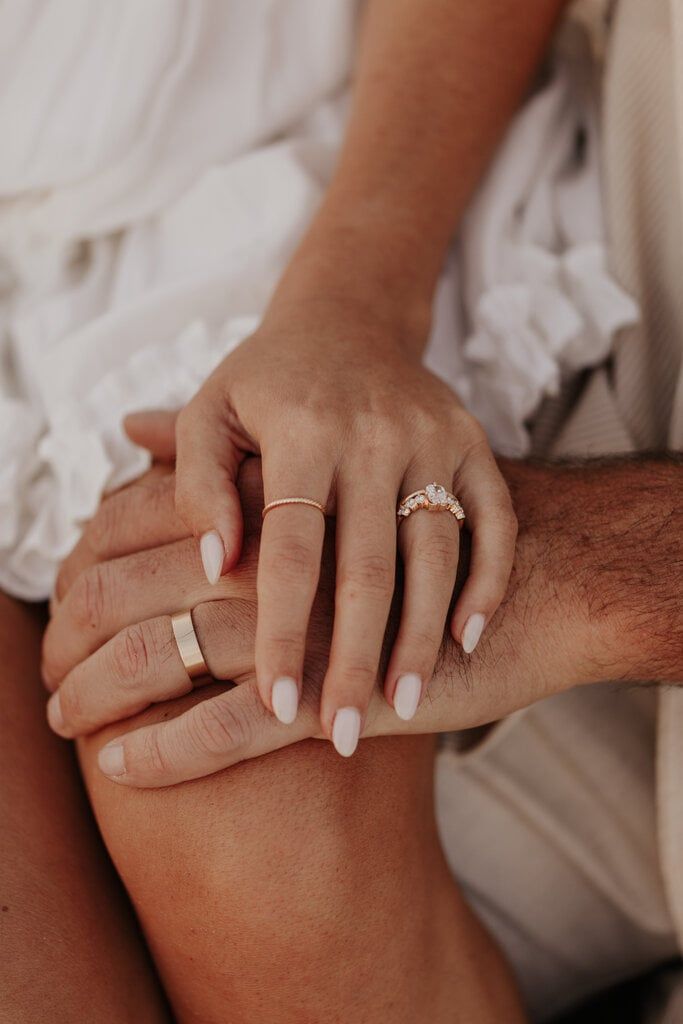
(165, 159)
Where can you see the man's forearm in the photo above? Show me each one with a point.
(597, 589)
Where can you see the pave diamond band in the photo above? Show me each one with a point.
(434, 498)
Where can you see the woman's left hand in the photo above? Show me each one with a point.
(341, 411)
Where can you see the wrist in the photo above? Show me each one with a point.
(610, 536)
(367, 269)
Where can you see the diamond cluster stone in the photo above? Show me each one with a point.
(433, 497)
(437, 494)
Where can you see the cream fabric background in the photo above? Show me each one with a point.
(160, 162)
(566, 826)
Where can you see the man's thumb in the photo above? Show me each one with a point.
(153, 429)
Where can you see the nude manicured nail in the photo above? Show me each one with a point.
(285, 699)
(54, 713)
(407, 695)
(213, 555)
(471, 634)
(111, 760)
(346, 730)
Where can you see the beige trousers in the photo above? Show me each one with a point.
(550, 828)
(566, 826)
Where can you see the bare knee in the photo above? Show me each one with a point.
(297, 887)
(277, 827)
(294, 863)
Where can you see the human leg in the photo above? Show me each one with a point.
(70, 948)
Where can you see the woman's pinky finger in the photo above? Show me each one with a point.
(493, 525)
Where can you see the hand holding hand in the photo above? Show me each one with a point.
(110, 652)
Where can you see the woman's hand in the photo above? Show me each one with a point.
(342, 412)
(330, 390)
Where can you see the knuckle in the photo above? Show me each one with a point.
(132, 653)
(476, 451)
(151, 756)
(287, 648)
(286, 651)
(466, 425)
(292, 561)
(215, 728)
(370, 574)
(378, 429)
(427, 423)
(307, 422)
(438, 554)
(226, 632)
(421, 641)
(90, 597)
(359, 674)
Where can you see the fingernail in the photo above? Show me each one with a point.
(474, 627)
(111, 760)
(54, 713)
(285, 699)
(407, 695)
(346, 730)
(213, 555)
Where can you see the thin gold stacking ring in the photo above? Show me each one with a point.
(292, 501)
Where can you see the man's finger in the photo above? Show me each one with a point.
(141, 665)
(153, 429)
(139, 517)
(119, 593)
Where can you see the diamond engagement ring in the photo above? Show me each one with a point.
(434, 498)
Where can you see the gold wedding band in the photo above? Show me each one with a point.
(188, 646)
(434, 498)
(292, 501)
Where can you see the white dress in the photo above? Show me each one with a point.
(160, 162)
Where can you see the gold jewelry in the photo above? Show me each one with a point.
(188, 646)
(292, 501)
(434, 498)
